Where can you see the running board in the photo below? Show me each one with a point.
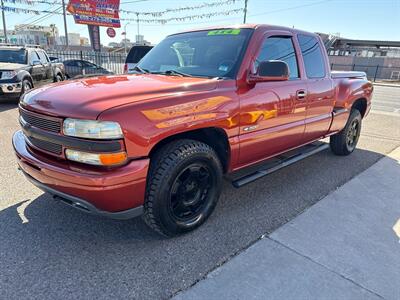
(283, 161)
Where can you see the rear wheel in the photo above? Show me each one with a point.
(183, 187)
(345, 142)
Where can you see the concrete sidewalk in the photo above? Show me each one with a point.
(344, 247)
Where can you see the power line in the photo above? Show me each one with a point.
(42, 18)
(248, 15)
(290, 8)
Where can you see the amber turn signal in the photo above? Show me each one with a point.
(109, 159)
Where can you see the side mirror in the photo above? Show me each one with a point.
(36, 63)
(272, 70)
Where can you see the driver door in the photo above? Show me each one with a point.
(272, 117)
(37, 72)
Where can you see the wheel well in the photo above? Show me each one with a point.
(214, 137)
(360, 105)
(29, 79)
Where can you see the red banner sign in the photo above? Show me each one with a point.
(95, 12)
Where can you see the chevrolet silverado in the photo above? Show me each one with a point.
(203, 105)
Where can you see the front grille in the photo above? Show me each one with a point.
(46, 146)
(41, 122)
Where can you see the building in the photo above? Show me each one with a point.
(74, 39)
(380, 60)
(84, 41)
(140, 41)
(338, 46)
(45, 36)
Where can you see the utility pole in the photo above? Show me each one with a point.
(4, 22)
(137, 20)
(65, 23)
(245, 11)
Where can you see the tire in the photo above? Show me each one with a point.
(58, 78)
(345, 142)
(26, 86)
(183, 187)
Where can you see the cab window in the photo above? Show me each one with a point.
(42, 57)
(33, 57)
(279, 48)
(312, 55)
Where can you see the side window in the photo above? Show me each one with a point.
(42, 57)
(312, 56)
(33, 56)
(279, 48)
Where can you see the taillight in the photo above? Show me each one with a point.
(125, 68)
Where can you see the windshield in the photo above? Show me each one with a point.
(13, 56)
(212, 53)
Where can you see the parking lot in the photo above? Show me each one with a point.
(48, 250)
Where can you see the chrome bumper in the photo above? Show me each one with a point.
(11, 88)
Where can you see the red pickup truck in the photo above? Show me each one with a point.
(201, 105)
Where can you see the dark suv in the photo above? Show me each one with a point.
(25, 67)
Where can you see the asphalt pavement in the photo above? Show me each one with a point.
(343, 247)
(48, 250)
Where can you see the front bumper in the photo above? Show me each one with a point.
(117, 193)
(11, 88)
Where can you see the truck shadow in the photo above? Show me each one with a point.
(8, 105)
(41, 234)
(45, 216)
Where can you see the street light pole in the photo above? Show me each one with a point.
(137, 20)
(4, 22)
(125, 37)
(65, 23)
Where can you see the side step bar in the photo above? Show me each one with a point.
(283, 161)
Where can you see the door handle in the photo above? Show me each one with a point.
(301, 95)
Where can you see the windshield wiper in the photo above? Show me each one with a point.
(139, 69)
(175, 72)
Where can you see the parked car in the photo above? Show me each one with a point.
(25, 67)
(203, 104)
(75, 68)
(136, 53)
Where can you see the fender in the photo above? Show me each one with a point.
(146, 124)
(348, 91)
(22, 74)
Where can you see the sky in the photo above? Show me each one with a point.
(357, 19)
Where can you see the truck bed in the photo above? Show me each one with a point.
(348, 74)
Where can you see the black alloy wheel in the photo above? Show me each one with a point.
(183, 186)
(190, 191)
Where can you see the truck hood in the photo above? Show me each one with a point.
(87, 98)
(11, 66)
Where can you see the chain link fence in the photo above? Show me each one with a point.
(374, 73)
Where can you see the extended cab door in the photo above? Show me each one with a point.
(47, 67)
(320, 96)
(272, 114)
(37, 72)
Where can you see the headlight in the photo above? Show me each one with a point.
(103, 130)
(8, 74)
(99, 159)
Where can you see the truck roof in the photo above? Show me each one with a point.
(251, 26)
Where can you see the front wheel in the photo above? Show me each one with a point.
(183, 187)
(58, 78)
(26, 86)
(345, 142)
